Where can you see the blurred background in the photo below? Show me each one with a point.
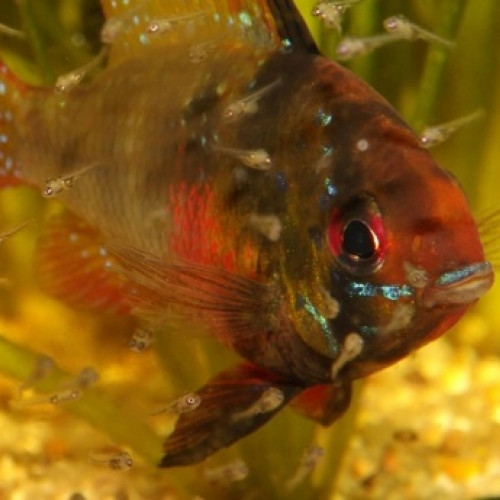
(426, 428)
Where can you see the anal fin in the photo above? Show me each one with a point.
(74, 266)
(233, 404)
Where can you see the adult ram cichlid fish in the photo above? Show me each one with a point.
(220, 168)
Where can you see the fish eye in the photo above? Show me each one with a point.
(359, 241)
(356, 236)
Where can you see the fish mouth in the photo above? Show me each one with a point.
(460, 286)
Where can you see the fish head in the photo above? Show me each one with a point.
(396, 252)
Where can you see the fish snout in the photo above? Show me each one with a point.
(460, 286)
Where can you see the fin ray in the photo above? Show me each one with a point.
(73, 266)
(246, 20)
(212, 425)
(234, 305)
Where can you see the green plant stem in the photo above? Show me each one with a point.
(435, 66)
(30, 24)
(364, 21)
(335, 442)
(94, 406)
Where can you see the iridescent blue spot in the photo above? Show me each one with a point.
(143, 38)
(3, 88)
(390, 292)
(331, 341)
(281, 181)
(304, 302)
(287, 45)
(367, 330)
(462, 273)
(245, 19)
(217, 18)
(327, 150)
(330, 187)
(323, 118)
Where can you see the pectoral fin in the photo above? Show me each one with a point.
(232, 405)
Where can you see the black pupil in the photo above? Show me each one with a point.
(358, 240)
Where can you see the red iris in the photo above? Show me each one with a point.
(356, 237)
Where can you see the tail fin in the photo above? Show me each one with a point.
(11, 89)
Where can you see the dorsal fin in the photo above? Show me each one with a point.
(291, 26)
(130, 24)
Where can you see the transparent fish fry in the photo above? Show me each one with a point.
(350, 47)
(86, 378)
(57, 185)
(312, 455)
(257, 159)
(401, 26)
(66, 82)
(351, 348)
(70, 390)
(65, 396)
(119, 460)
(249, 104)
(331, 12)
(161, 26)
(200, 51)
(186, 403)
(270, 400)
(437, 134)
(231, 472)
(56, 398)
